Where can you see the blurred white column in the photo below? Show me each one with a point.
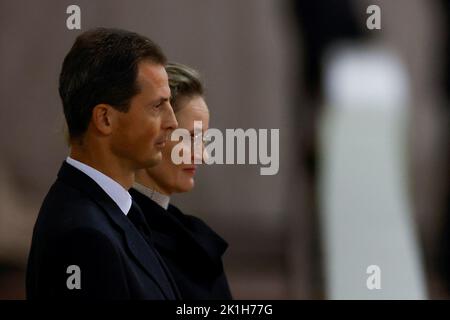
(366, 216)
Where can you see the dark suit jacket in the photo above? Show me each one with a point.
(192, 250)
(79, 224)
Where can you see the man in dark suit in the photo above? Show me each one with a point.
(90, 239)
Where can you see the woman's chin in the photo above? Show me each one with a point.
(186, 186)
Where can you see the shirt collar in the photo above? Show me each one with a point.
(161, 199)
(114, 190)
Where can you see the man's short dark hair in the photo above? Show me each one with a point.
(102, 67)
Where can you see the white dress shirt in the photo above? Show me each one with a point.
(115, 191)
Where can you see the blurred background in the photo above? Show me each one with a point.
(363, 115)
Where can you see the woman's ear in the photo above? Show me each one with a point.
(102, 118)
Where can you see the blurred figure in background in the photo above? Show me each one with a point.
(319, 25)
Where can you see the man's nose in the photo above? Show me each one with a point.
(170, 121)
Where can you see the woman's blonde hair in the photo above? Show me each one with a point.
(184, 81)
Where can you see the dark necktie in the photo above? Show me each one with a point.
(137, 218)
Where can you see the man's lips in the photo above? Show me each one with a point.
(161, 142)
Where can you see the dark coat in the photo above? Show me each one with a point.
(191, 249)
(79, 224)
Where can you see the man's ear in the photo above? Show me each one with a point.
(102, 118)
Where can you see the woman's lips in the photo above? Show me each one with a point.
(190, 170)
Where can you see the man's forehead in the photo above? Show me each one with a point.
(152, 74)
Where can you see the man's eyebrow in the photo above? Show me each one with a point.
(159, 100)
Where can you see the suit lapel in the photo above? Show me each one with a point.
(141, 250)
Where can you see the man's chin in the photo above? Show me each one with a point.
(155, 160)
